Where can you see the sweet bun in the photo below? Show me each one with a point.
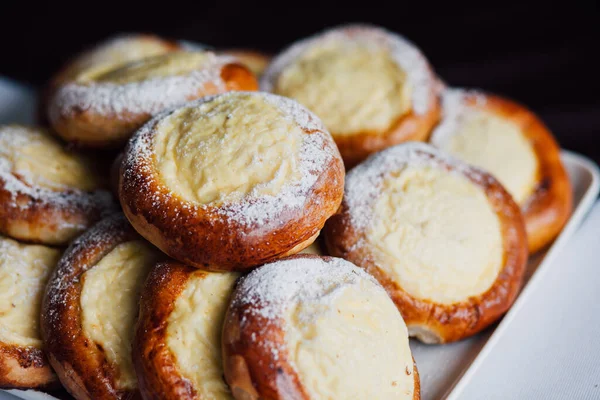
(103, 108)
(48, 194)
(266, 176)
(372, 88)
(111, 53)
(511, 143)
(90, 309)
(310, 327)
(256, 61)
(177, 348)
(445, 239)
(24, 271)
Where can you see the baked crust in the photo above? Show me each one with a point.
(36, 214)
(204, 236)
(429, 321)
(155, 364)
(105, 115)
(80, 363)
(92, 57)
(548, 208)
(252, 371)
(25, 368)
(411, 126)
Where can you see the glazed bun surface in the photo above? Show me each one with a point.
(90, 310)
(308, 327)
(371, 88)
(445, 239)
(232, 181)
(177, 348)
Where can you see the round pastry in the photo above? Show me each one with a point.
(24, 271)
(178, 338)
(103, 108)
(47, 193)
(511, 143)
(311, 327)
(90, 309)
(231, 181)
(256, 61)
(445, 239)
(372, 88)
(109, 54)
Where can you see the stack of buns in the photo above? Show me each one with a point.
(283, 228)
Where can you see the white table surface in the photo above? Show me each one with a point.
(554, 353)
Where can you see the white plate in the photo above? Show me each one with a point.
(445, 370)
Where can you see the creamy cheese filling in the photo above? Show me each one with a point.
(355, 347)
(170, 64)
(194, 332)
(436, 234)
(353, 88)
(24, 271)
(41, 160)
(110, 300)
(227, 148)
(497, 146)
(112, 55)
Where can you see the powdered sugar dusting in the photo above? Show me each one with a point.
(15, 137)
(364, 182)
(145, 97)
(316, 152)
(273, 288)
(66, 274)
(408, 57)
(455, 109)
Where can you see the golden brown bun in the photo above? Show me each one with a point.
(255, 355)
(430, 321)
(411, 126)
(38, 214)
(546, 210)
(207, 236)
(81, 364)
(98, 115)
(25, 368)
(156, 366)
(121, 46)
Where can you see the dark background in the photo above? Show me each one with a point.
(545, 56)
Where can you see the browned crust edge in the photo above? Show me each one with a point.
(81, 364)
(155, 364)
(25, 368)
(409, 127)
(39, 219)
(251, 370)
(549, 207)
(201, 237)
(88, 128)
(446, 322)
